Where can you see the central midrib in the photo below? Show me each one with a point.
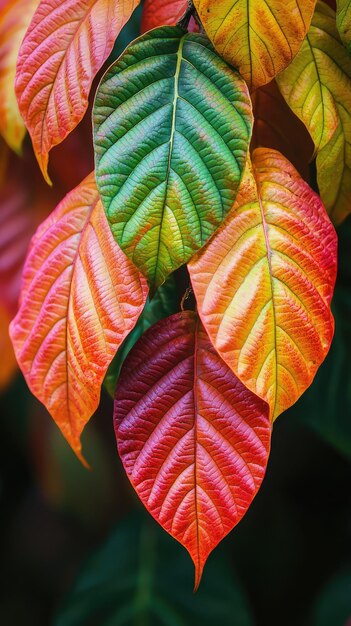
(171, 143)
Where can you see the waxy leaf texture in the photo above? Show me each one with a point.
(259, 37)
(80, 297)
(64, 48)
(193, 440)
(264, 282)
(343, 22)
(172, 128)
(15, 16)
(317, 87)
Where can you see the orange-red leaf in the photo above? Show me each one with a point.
(15, 16)
(164, 13)
(265, 281)
(193, 440)
(80, 298)
(8, 363)
(65, 46)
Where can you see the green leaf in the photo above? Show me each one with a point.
(163, 304)
(317, 87)
(343, 22)
(333, 607)
(172, 125)
(140, 578)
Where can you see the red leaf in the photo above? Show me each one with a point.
(80, 298)
(164, 13)
(193, 440)
(64, 48)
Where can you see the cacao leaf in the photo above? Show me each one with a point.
(277, 127)
(15, 16)
(265, 281)
(108, 589)
(259, 38)
(193, 440)
(165, 13)
(163, 304)
(343, 22)
(172, 128)
(8, 365)
(317, 87)
(64, 48)
(80, 298)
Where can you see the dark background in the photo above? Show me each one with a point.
(77, 548)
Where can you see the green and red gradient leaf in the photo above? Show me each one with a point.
(193, 440)
(172, 126)
(15, 16)
(164, 13)
(264, 282)
(80, 297)
(64, 48)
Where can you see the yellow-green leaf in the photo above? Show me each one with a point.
(343, 22)
(317, 87)
(259, 37)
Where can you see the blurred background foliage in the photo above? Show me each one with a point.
(77, 548)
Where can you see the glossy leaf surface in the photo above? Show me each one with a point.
(64, 48)
(193, 440)
(15, 16)
(265, 281)
(183, 118)
(317, 87)
(80, 298)
(259, 38)
(343, 22)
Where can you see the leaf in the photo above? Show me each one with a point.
(277, 127)
(343, 22)
(333, 604)
(168, 161)
(80, 298)
(193, 440)
(165, 13)
(139, 576)
(64, 48)
(264, 283)
(8, 363)
(259, 38)
(15, 16)
(325, 407)
(163, 304)
(25, 200)
(317, 87)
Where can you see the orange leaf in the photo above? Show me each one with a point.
(277, 127)
(193, 440)
(64, 48)
(265, 281)
(8, 363)
(15, 16)
(80, 298)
